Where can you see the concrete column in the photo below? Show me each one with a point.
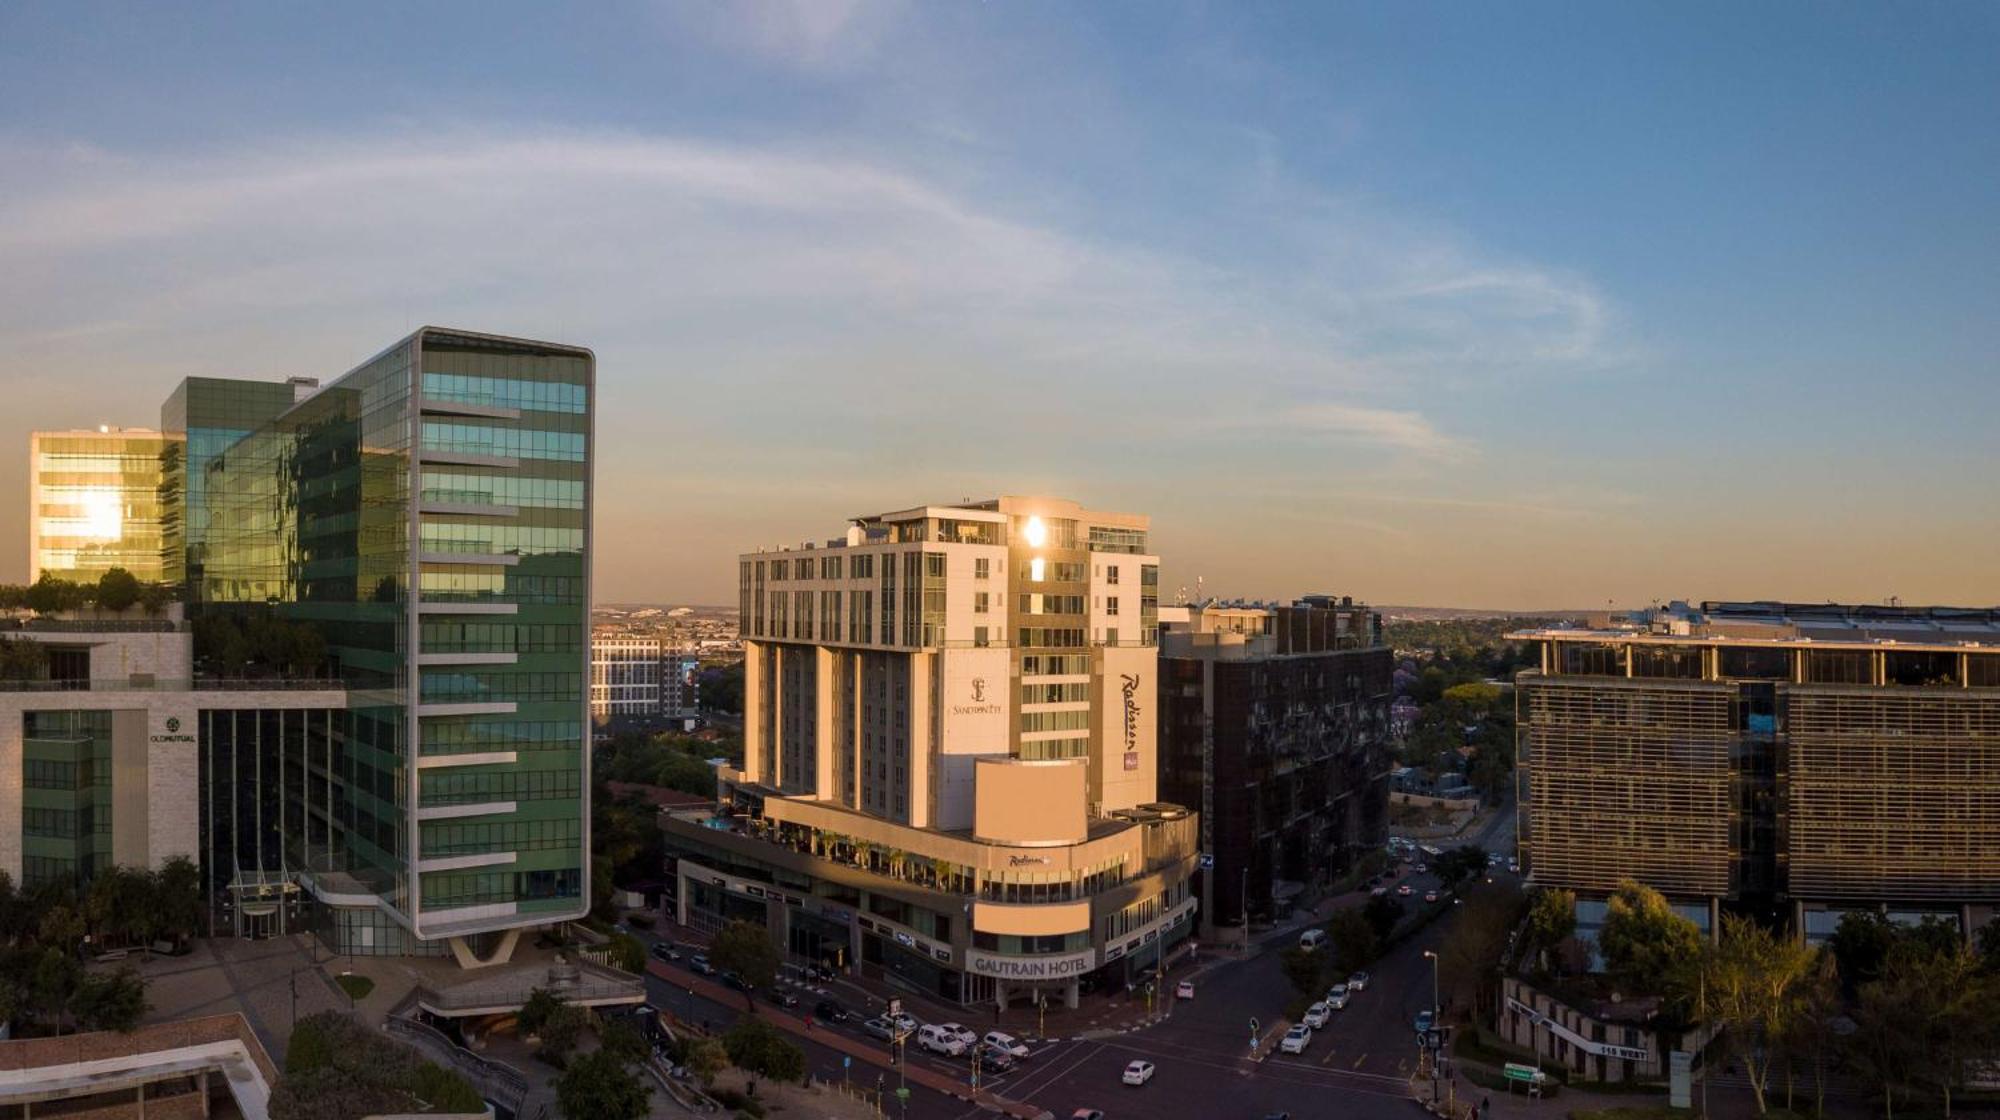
(1000, 994)
(825, 730)
(756, 751)
(201, 1086)
(918, 789)
(1072, 995)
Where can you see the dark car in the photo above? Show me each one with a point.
(700, 964)
(737, 982)
(819, 974)
(995, 1059)
(665, 951)
(827, 1011)
(786, 999)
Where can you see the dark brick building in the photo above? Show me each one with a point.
(1274, 720)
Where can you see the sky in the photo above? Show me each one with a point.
(1529, 306)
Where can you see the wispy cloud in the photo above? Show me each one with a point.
(843, 315)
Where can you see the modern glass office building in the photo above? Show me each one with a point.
(94, 503)
(427, 516)
(380, 676)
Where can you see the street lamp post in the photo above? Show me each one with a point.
(1436, 1029)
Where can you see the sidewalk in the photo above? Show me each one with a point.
(859, 1051)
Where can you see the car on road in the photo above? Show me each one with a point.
(1184, 990)
(994, 1059)
(1423, 868)
(1514, 865)
(957, 1030)
(1297, 1039)
(827, 1011)
(1357, 982)
(1403, 889)
(1312, 939)
(665, 951)
(786, 999)
(938, 1040)
(699, 962)
(1430, 896)
(1378, 892)
(738, 982)
(880, 1028)
(1137, 1072)
(1337, 1001)
(1423, 1021)
(1087, 1114)
(904, 1021)
(1317, 1015)
(1001, 1040)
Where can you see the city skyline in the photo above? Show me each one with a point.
(1351, 300)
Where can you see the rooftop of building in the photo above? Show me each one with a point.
(1772, 622)
(967, 521)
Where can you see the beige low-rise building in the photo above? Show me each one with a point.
(951, 762)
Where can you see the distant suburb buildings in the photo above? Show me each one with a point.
(1820, 757)
(1274, 723)
(951, 768)
(369, 713)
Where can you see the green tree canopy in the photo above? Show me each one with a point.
(1648, 948)
(745, 949)
(598, 1086)
(117, 589)
(1754, 983)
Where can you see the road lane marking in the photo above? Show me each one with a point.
(1358, 1061)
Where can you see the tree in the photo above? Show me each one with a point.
(1812, 1038)
(49, 594)
(1648, 949)
(112, 1001)
(117, 589)
(598, 1087)
(1474, 698)
(706, 1058)
(23, 659)
(180, 904)
(54, 984)
(1463, 862)
(627, 953)
(1304, 968)
(541, 1005)
(561, 1032)
(1352, 941)
(1551, 921)
(1925, 1020)
(623, 1041)
(1383, 912)
(758, 1047)
(1752, 983)
(745, 949)
(1469, 959)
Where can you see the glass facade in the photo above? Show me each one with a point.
(65, 797)
(96, 501)
(431, 502)
(204, 417)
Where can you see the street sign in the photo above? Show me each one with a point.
(847, 1061)
(1207, 863)
(1514, 1071)
(903, 1093)
(895, 1006)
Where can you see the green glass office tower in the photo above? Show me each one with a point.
(427, 517)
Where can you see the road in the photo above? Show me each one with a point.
(1364, 1057)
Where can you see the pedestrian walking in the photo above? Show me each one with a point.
(1485, 1107)
(809, 1024)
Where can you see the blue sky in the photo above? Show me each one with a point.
(1484, 305)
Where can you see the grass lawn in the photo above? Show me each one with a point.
(356, 986)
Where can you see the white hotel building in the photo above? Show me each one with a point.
(950, 762)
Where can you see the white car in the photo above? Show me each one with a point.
(1337, 1000)
(957, 1030)
(1184, 990)
(938, 1040)
(1357, 982)
(1514, 865)
(1317, 1015)
(903, 1021)
(1138, 1072)
(1297, 1039)
(1001, 1040)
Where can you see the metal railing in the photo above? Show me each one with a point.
(485, 1070)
